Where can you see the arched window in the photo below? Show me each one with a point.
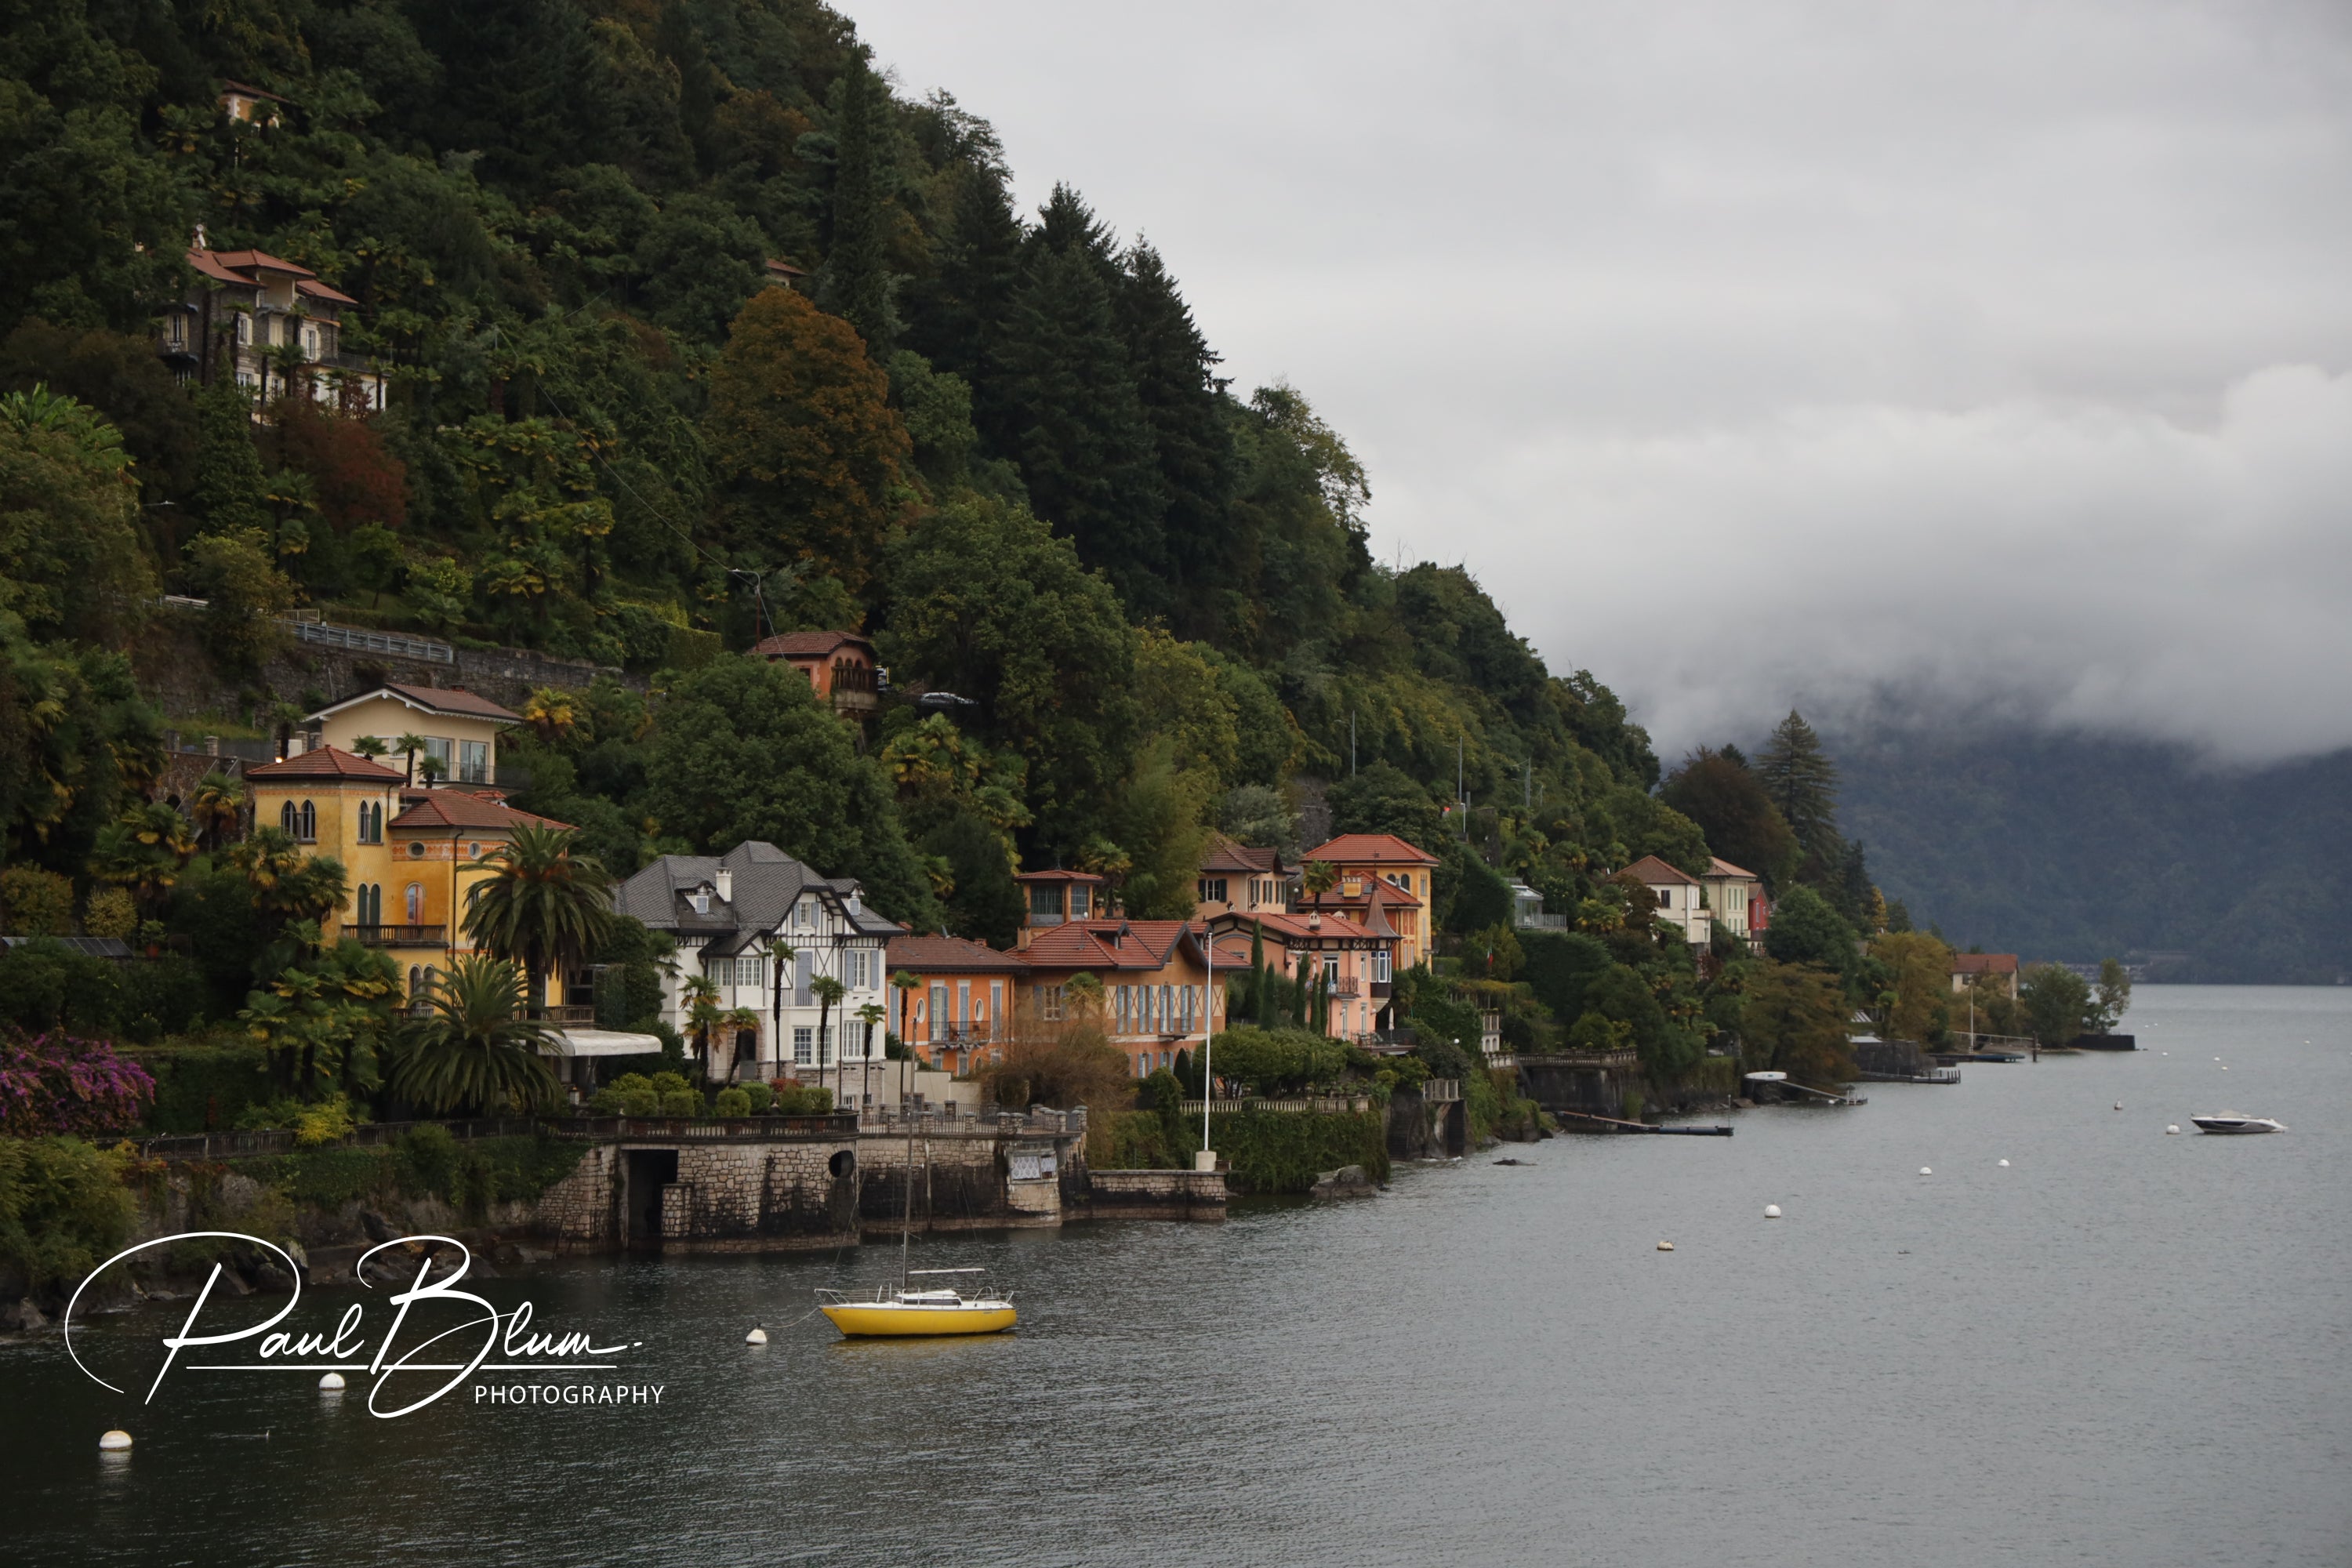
(415, 980)
(309, 822)
(417, 903)
(288, 822)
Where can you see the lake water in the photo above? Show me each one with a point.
(2123, 1347)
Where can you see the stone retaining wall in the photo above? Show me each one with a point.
(1156, 1195)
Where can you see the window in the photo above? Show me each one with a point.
(861, 969)
(474, 761)
(417, 849)
(437, 748)
(290, 821)
(939, 1010)
(414, 900)
(1212, 890)
(473, 851)
(244, 328)
(1665, 898)
(307, 831)
(995, 1008)
(803, 1045)
(1331, 968)
(1049, 1003)
(805, 915)
(309, 342)
(1081, 901)
(371, 822)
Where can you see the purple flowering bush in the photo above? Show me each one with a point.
(56, 1083)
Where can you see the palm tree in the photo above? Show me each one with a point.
(552, 711)
(732, 1022)
(542, 906)
(1318, 878)
(828, 990)
(700, 993)
(472, 1048)
(372, 747)
(408, 745)
(869, 1014)
(218, 805)
(144, 851)
(907, 982)
(433, 768)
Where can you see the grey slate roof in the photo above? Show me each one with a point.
(767, 883)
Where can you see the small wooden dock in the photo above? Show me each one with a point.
(1615, 1124)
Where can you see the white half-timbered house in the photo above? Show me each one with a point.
(763, 926)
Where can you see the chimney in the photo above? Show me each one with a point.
(1314, 923)
(726, 884)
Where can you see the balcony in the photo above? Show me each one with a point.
(1346, 985)
(399, 936)
(1381, 988)
(565, 1017)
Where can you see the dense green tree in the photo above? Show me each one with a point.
(985, 903)
(2057, 1004)
(1075, 421)
(744, 750)
(72, 563)
(1806, 930)
(856, 282)
(1801, 780)
(989, 605)
(1793, 1020)
(799, 424)
(1732, 807)
(1384, 799)
(1192, 440)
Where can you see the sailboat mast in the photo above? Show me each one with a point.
(907, 1222)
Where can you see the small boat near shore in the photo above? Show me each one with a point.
(905, 1309)
(2236, 1122)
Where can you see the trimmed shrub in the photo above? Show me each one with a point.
(680, 1101)
(760, 1096)
(731, 1102)
(428, 1160)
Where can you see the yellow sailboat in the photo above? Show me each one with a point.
(907, 1309)
(904, 1309)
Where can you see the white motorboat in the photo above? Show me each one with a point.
(2236, 1122)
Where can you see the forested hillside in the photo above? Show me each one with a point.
(2069, 847)
(996, 441)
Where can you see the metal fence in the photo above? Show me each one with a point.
(396, 644)
(282, 1140)
(1299, 1105)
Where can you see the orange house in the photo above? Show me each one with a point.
(1383, 879)
(963, 1002)
(1357, 962)
(839, 666)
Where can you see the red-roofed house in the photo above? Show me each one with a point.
(1680, 898)
(411, 856)
(1736, 899)
(1154, 976)
(1382, 881)
(246, 311)
(1242, 877)
(1997, 970)
(963, 999)
(458, 728)
(1056, 896)
(839, 665)
(1357, 962)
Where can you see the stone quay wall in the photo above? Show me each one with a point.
(964, 1178)
(783, 1193)
(1156, 1195)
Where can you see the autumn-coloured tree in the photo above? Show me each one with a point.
(355, 476)
(800, 426)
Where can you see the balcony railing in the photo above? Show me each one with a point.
(1346, 985)
(400, 936)
(565, 1015)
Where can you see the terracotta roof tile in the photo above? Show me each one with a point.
(1718, 867)
(432, 699)
(807, 645)
(948, 955)
(318, 290)
(1106, 945)
(1984, 964)
(1225, 855)
(241, 259)
(329, 763)
(458, 808)
(1656, 873)
(1371, 848)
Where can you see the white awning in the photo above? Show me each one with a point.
(604, 1043)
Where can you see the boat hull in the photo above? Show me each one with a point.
(886, 1320)
(2234, 1126)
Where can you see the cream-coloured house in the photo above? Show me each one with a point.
(1736, 899)
(458, 727)
(1680, 903)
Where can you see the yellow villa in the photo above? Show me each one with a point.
(458, 728)
(413, 855)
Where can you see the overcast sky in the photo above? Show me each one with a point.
(1751, 354)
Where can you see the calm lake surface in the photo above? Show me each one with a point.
(2123, 1348)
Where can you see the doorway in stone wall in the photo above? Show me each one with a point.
(648, 1171)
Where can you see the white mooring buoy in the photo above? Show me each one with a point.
(758, 1336)
(2119, 1105)
(331, 1384)
(114, 1441)
(2004, 1164)
(1771, 1211)
(2173, 1128)
(1666, 1246)
(1926, 1172)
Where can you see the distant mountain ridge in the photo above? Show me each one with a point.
(2074, 848)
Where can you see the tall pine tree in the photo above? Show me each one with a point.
(1072, 417)
(1191, 438)
(856, 282)
(1803, 782)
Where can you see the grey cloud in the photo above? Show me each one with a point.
(1759, 352)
